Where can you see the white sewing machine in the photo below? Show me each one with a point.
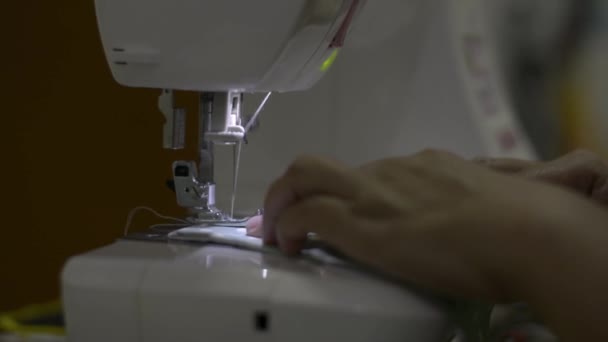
(428, 56)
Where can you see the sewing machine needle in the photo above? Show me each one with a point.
(236, 153)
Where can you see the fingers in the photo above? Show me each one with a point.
(582, 171)
(307, 176)
(254, 226)
(508, 165)
(324, 215)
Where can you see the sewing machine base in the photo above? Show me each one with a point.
(146, 288)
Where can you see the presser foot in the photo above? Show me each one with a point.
(214, 216)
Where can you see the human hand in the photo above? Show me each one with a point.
(450, 225)
(581, 171)
(254, 226)
(432, 219)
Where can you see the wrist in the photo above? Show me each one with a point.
(561, 269)
(535, 237)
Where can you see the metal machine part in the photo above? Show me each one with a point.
(194, 193)
(222, 118)
(174, 128)
(219, 124)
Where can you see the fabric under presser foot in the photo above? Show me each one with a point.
(237, 237)
(229, 236)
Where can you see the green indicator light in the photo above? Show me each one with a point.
(329, 61)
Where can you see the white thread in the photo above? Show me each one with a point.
(148, 209)
(257, 112)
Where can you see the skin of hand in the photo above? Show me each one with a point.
(254, 226)
(582, 171)
(438, 221)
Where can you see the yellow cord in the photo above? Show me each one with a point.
(9, 321)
